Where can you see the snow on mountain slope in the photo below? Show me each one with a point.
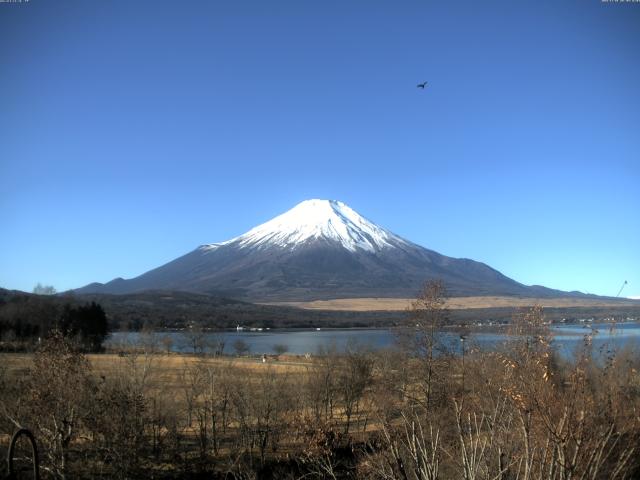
(313, 220)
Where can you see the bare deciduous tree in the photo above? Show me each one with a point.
(427, 315)
(196, 338)
(57, 403)
(354, 376)
(280, 349)
(40, 289)
(241, 347)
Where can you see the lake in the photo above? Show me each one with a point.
(566, 338)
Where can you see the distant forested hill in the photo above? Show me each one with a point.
(28, 314)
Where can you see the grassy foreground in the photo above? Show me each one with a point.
(165, 373)
(416, 412)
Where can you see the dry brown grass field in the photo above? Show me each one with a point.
(166, 370)
(455, 303)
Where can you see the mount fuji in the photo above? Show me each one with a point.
(320, 249)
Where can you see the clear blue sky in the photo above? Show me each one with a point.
(133, 131)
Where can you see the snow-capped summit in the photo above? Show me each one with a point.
(315, 219)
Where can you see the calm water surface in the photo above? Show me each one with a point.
(567, 338)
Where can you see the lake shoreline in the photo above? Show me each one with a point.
(310, 341)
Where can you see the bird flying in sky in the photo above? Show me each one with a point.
(422, 85)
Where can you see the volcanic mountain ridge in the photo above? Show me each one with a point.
(320, 249)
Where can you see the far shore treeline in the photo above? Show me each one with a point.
(25, 317)
(25, 320)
